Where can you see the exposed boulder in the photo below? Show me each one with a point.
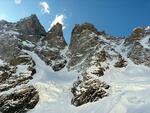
(58, 65)
(121, 62)
(99, 72)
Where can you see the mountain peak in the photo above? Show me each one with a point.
(85, 26)
(57, 28)
(31, 25)
(55, 37)
(140, 32)
(31, 17)
(3, 22)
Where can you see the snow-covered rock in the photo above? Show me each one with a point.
(96, 71)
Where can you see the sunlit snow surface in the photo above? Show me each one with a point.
(145, 42)
(1, 62)
(129, 93)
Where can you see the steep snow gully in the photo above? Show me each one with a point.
(130, 89)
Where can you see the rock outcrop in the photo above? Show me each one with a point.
(19, 100)
(90, 88)
(137, 34)
(84, 42)
(139, 55)
(30, 26)
(121, 62)
(16, 96)
(137, 44)
(52, 48)
(55, 38)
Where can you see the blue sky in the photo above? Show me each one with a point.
(116, 17)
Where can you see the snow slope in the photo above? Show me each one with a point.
(145, 42)
(129, 93)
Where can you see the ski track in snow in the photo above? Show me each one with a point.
(129, 93)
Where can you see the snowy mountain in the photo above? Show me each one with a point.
(95, 73)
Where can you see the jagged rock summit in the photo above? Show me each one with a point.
(55, 37)
(30, 26)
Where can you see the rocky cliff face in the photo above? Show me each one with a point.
(30, 29)
(55, 38)
(84, 42)
(30, 26)
(138, 45)
(90, 52)
(51, 48)
(16, 95)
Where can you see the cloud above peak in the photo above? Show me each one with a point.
(2, 17)
(44, 7)
(58, 19)
(18, 1)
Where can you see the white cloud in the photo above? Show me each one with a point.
(18, 1)
(2, 17)
(58, 19)
(44, 7)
